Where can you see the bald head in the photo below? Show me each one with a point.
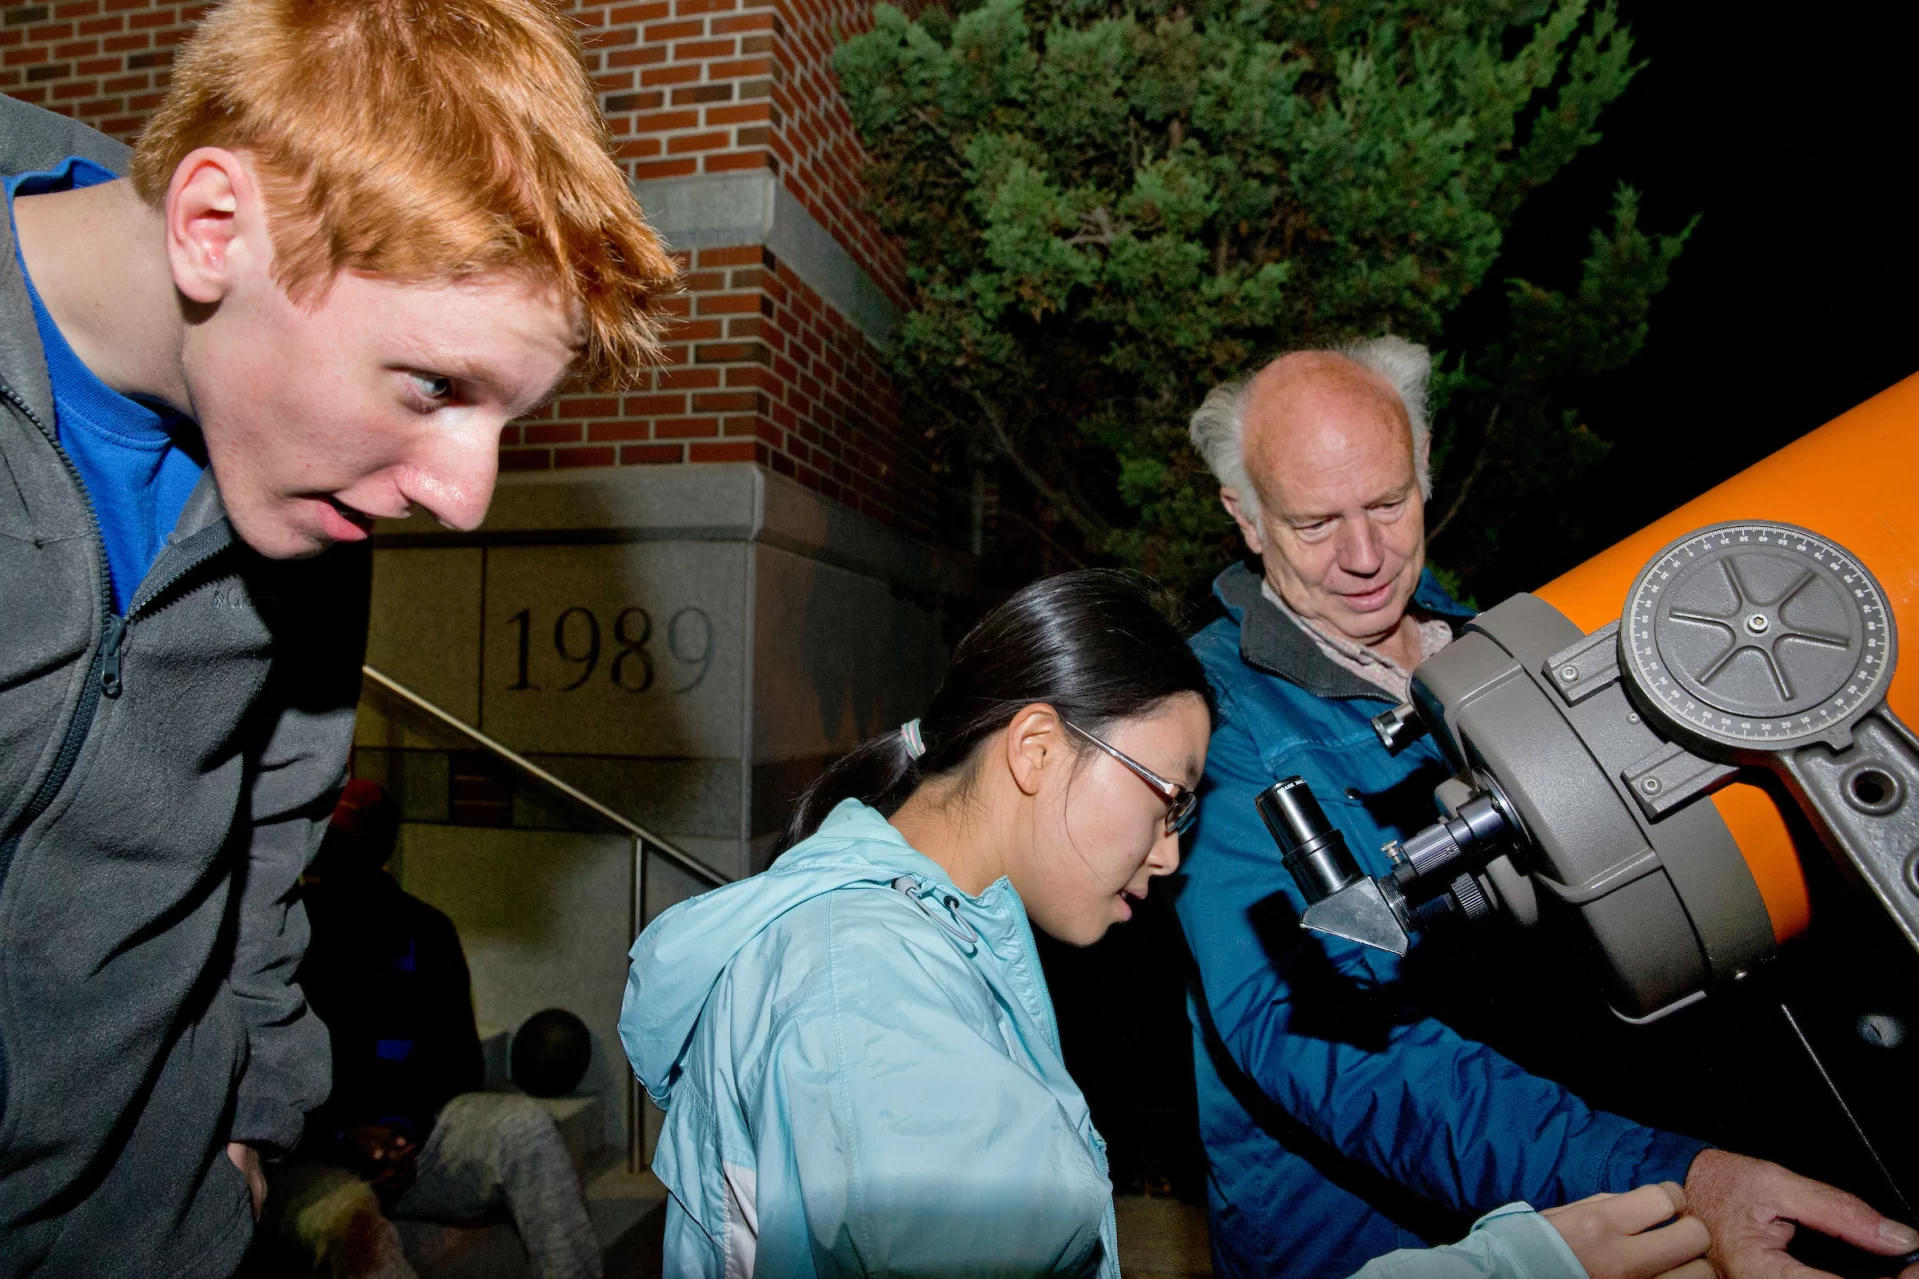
(1329, 493)
(1316, 411)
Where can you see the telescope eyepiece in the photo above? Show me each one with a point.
(1310, 846)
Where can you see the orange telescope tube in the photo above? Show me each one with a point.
(1854, 481)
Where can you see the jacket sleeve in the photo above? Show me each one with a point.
(1512, 1242)
(295, 776)
(1317, 1026)
(906, 1135)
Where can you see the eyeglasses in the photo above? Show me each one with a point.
(1182, 805)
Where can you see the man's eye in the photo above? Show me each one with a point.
(432, 386)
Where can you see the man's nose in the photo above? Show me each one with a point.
(1359, 550)
(454, 476)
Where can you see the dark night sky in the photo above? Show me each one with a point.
(1792, 133)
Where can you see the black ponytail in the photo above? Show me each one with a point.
(1091, 644)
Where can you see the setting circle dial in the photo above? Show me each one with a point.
(1757, 636)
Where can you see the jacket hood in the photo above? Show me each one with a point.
(680, 957)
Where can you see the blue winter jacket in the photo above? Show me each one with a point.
(1318, 1088)
(861, 1075)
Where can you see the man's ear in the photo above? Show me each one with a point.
(1248, 527)
(213, 217)
(1034, 740)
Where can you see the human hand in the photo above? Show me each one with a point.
(247, 1160)
(1621, 1236)
(385, 1156)
(1753, 1208)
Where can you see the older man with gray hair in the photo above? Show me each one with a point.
(1340, 1121)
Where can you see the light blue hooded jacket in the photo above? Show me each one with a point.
(861, 1075)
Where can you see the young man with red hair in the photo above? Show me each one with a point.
(360, 236)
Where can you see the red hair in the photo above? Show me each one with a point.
(422, 140)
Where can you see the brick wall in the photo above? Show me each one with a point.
(724, 86)
(761, 371)
(759, 368)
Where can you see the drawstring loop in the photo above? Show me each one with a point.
(949, 919)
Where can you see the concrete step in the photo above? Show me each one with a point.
(629, 1217)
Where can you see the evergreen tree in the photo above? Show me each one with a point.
(1109, 206)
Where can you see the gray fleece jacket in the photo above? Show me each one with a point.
(164, 779)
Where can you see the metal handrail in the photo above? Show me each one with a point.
(494, 746)
(645, 842)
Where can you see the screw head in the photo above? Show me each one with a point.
(1650, 785)
(1758, 624)
(1881, 1030)
(1569, 673)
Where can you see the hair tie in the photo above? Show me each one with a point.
(910, 734)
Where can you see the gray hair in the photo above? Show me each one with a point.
(1219, 424)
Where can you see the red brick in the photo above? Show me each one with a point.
(729, 304)
(599, 432)
(700, 50)
(666, 169)
(749, 113)
(695, 142)
(652, 454)
(587, 406)
(666, 121)
(740, 451)
(571, 458)
(743, 67)
(732, 160)
(555, 433)
(686, 379)
(678, 428)
(743, 22)
(727, 402)
(663, 32)
(635, 101)
(684, 73)
(526, 460)
(703, 93)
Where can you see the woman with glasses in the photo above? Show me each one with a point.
(856, 1051)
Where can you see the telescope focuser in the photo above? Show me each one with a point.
(1434, 877)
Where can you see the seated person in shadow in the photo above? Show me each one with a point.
(406, 1133)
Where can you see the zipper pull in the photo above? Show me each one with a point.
(110, 655)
